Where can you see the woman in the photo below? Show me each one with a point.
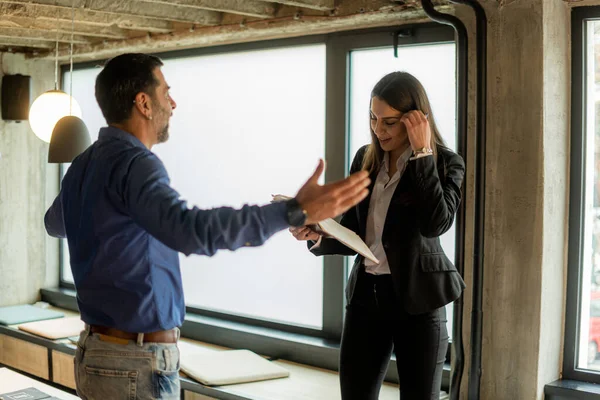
(399, 303)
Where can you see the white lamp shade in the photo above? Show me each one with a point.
(47, 109)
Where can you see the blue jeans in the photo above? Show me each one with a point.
(107, 370)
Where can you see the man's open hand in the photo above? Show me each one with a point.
(327, 201)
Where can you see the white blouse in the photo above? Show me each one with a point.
(383, 190)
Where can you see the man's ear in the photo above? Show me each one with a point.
(143, 105)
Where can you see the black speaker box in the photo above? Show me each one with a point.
(15, 97)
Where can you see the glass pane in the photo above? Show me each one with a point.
(367, 67)
(589, 334)
(247, 125)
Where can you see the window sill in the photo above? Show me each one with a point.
(58, 372)
(302, 349)
(571, 390)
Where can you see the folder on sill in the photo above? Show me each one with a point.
(227, 367)
(332, 228)
(55, 328)
(15, 315)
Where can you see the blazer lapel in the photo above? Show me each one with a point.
(403, 194)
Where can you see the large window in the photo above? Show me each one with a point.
(582, 339)
(252, 120)
(250, 124)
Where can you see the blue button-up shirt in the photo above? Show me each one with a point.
(125, 224)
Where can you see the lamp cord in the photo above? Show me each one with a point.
(71, 59)
(56, 58)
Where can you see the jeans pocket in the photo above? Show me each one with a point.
(99, 383)
(166, 385)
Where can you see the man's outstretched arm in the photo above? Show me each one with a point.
(157, 207)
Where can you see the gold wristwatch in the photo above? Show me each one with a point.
(423, 150)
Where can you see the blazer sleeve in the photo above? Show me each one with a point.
(349, 220)
(438, 201)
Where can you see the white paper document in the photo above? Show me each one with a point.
(332, 228)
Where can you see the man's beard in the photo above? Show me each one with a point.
(162, 115)
(163, 135)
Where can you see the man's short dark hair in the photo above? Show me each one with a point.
(122, 78)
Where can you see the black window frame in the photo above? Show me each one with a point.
(579, 18)
(301, 344)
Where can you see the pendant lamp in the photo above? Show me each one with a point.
(51, 106)
(70, 136)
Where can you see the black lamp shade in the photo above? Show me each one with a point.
(70, 138)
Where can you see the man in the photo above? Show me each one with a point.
(125, 224)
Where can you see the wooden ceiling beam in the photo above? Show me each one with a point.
(43, 36)
(63, 15)
(125, 8)
(10, 41)
(322, 5)
(46, 25)
(250, 8)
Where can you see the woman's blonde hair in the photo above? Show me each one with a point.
(403, 92)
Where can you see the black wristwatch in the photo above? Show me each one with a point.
(296, 216)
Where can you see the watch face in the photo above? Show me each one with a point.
(296, 217)
(295, 214)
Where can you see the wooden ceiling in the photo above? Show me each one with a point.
(103, 28)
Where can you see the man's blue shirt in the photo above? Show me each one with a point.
(125, 225)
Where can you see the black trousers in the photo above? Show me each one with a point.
(374, 326)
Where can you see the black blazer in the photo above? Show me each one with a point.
(422, 209)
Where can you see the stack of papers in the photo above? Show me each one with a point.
(333, 229)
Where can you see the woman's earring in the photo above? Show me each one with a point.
(150, 117)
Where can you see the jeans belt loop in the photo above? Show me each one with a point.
(140, 339)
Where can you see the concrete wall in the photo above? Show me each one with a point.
(526, 197)
(28, 257)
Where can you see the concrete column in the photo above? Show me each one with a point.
(28, 257)
(526, 197)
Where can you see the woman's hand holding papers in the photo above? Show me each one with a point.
(305, 233)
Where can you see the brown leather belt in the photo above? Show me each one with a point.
(169, 336)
